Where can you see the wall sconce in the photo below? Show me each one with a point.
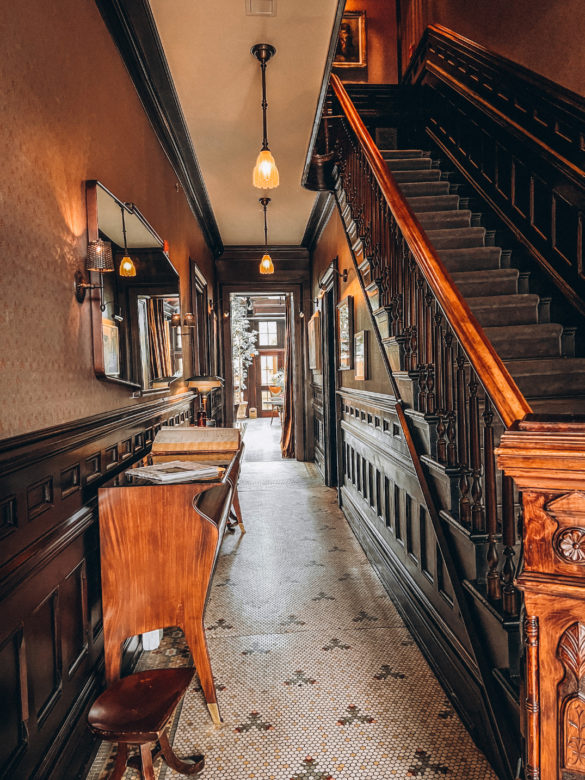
(99, 259)
(265, 175)
(343, 275)
(188, 320)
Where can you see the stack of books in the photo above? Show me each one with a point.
(174, 472)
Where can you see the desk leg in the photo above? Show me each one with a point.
(237, 510)
(113, 657)
(195, 636)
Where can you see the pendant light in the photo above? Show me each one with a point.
(127, 267)
(266, 265)
(265, 175)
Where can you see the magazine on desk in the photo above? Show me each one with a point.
(174, 472)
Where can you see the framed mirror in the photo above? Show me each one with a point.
(134, 342)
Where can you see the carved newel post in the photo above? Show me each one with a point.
(547, 462)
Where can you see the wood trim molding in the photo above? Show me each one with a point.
(322, 209)
(133, 29)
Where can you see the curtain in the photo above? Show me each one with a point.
(159, 340)
(287, 438)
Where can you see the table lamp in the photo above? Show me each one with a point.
(203, 384)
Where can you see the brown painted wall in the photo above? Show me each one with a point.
(381, 43)
(70, 113)
(333, 243)
(544, 36)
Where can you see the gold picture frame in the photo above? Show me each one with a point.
(351, 41)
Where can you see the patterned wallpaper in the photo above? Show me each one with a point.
(69, 113)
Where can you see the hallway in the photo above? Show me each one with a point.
(318, 678)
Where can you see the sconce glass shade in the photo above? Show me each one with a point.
(127, 267)
(265, 175)
(99, 256)
(266, 265)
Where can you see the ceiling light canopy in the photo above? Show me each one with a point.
(266, 264)
(265, 175)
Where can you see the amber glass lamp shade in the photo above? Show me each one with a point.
(127, 267)
(266, 265)
(265, 175)
(99, 256)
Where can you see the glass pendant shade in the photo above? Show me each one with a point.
(265, 175)
(99, 256)
(127, 267)
(266, 265)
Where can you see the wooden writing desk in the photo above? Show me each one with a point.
(159, 546)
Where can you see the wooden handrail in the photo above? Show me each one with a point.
(503, 391)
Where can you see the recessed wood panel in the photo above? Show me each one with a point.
(73, 610)
(13, 733)
(39, 497)
(565, 229)
(542, 207)
(522, 189)
(8, 519)
(44, 655)
(70, 480)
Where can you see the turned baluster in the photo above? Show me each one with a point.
(493, 578)
(448, 383)
(430, 358)
(439, 385)
(421, 331)
(464, 499)
(509, 592)
(477, 513)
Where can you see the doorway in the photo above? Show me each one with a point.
(258, 336)
(329, 387)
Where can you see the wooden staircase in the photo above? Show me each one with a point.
(471, 355)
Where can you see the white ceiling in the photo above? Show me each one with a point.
(218, 82)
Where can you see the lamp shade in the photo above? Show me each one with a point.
(266, 265)
(204, 383)
(127, 267)
(99, 256)
(265, 175)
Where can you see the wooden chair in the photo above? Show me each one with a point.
(135, 711)
(276, 400)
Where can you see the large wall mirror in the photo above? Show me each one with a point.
(134, 340)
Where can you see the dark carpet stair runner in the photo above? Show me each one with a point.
(539, 354)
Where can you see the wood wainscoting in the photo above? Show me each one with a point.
(51, 637)
(383, 503)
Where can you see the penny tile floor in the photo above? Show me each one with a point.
(317, 676)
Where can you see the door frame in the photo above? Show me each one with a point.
(328, 284)
(298, 352)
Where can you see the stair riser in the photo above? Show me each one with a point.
(499, 315)
(409, 164)
(455, 219)
(509, 347)
(468, 238)
(475, 289)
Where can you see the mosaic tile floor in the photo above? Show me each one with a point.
(317, 676)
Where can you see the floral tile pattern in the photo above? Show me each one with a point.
(317, 676)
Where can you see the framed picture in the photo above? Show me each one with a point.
(314, 338)
(345, 334)
(111, 340)
(360, 354)
(351, 43)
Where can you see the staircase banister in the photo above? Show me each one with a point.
(503, 391)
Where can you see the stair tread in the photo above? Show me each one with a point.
(409, 163)
(516, 299)
(424, 174)
(424, 188)
(425, 203)
(481, 258)
(494, 281)
(402, 153)
(455, 218)
(443, 238)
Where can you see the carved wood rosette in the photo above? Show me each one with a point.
(547, 462)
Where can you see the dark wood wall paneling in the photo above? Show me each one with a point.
(51, 637)
(519, 139)
(383, 502)
(318, 422)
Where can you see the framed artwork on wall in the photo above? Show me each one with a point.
(345, 334)
(314, 339)
(351, 43)
(360, 354)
